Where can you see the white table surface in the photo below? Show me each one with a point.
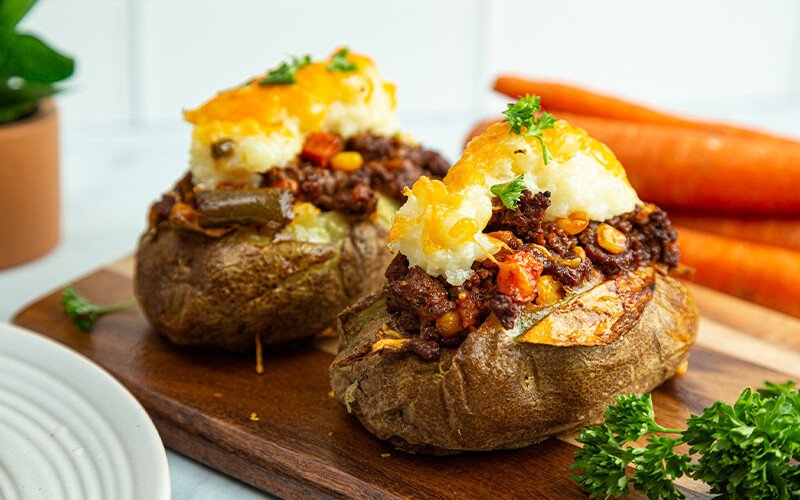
(111, 174)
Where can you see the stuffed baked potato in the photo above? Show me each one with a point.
(283, 218)
(531, 287)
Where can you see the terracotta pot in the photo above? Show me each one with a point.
(29, 187)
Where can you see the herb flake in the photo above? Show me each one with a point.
(340, 63)
(286, 73)
(83, 313)
(523, 114)
(509, 192)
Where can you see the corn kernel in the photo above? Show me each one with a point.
(548, 291)
(347, 161)
(682, 368)
(449, 323)
(575, 223)
(611, 239)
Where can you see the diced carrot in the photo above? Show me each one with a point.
(320, 147)
(518, 276)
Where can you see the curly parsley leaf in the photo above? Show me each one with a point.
(286, 73)
(602, 463)
(509, 192)
(657, 468)
(747, 450)
(523, 114)
(632, 416)
(340, 63)
(83, 313)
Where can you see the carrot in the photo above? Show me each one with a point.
(758, 273)
(678, 167)
(780, 232)
(563, 97)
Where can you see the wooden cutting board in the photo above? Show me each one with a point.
(301, 442)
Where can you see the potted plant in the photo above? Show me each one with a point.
(29, 185)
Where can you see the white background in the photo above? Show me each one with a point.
(140, 62)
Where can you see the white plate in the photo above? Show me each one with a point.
(69, 430)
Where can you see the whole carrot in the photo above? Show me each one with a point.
(679, 167)
(780, 232)
(758, 273)
(571, 99)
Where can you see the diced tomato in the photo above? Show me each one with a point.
(518, 276)
(320, 147)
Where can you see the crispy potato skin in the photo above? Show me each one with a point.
(222, 292)
(493, 392)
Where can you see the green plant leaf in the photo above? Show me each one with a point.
(16, 103)
(28, 91)
(12, 12)
(15, 112)
(29, 58)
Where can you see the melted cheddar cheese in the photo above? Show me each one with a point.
(268, 124)
(440, 227)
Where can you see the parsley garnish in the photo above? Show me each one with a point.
(748, 450)
(509, 192)
(286, 73)
(339, 61)
(83, 313)
(523, 114)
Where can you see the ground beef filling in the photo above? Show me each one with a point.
(388, 164)
(442, 315)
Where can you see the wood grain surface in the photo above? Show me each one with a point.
(303, 442)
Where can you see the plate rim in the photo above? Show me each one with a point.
(161, 485)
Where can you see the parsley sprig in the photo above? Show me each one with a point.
(339, 61)
(522, 114)
(83, 313)
(748, 450)
(509, 192)
(286, 73)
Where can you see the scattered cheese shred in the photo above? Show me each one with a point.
(259, 355)
(254, 417)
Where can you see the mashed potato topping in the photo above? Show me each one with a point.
(440, 227)
(267, 124)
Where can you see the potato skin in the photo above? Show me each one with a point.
(493, 392)
(222, 292)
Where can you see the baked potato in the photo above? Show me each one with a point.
(531, 287)
(222, 292)
(283, 218)
(494, 392)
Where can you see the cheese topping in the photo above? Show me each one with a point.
(440, 227)
(268, 124)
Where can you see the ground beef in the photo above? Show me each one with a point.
(417, 299)
(650, 235)
(525, 221)
(414, 295)
(389, 166)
